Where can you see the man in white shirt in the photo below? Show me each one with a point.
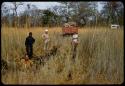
(74, 44)
(46, 39)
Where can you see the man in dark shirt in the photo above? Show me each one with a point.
(29, 45)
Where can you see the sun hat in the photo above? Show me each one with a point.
(46, 30)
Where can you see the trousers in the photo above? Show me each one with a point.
(29, 50)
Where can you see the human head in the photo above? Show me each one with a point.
(30, 33)
(75, 35)
(46, 30)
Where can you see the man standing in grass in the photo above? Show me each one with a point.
(45, 37)
(74, 45)
(29, 45)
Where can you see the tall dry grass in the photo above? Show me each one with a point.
(99, 57)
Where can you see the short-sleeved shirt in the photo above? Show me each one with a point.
(75, 38)
(45, 37)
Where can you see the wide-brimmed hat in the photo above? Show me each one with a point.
(46, 30)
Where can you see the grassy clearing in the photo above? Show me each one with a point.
(99, 57)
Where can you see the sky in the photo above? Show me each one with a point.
(41, 5)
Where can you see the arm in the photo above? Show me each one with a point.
(26, 42)
(43, 36)
(33, 40)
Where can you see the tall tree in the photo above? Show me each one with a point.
(48, 18)
(15, 7)
(94, 12)
(5, 10)
(77, 11)
(111, 11)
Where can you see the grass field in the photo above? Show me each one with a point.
(99, 57)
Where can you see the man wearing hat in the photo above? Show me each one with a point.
(45, 37)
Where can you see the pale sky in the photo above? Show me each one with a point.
(41, 5)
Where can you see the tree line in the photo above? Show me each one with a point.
(83, 13)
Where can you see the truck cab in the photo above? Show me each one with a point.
(69, 28)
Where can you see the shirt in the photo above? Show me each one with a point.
(45, 37)
(75, 38)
